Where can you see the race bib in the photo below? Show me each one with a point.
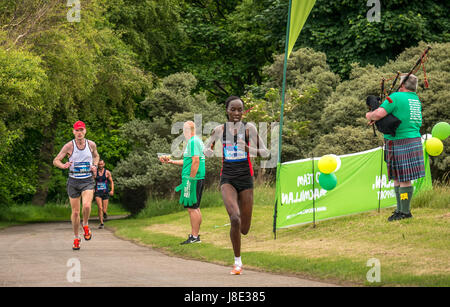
(101, 186)
(81, 169)
(233, 153)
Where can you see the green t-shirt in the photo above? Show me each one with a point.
(407, 107)
(194, 148)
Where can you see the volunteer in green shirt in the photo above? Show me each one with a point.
(193, 175)
(404, 152)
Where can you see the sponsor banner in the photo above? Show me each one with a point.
(360, 188)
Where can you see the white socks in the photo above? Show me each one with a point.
(238, 261)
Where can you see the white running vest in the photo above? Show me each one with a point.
(81, 161)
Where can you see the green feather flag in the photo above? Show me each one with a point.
(298, 13)
(300, 10)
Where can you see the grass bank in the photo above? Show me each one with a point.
(413, 252)
(26, 213)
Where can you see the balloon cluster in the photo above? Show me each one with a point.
(328, 165)
(440, 132)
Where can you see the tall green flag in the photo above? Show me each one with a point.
(300, 10)
(298, 13)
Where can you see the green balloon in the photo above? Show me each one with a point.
(327, 181)
(441, 130)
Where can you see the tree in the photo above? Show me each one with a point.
(309, 82)
(91, 74)
(343, 31)
(170, 104)
(346, 106)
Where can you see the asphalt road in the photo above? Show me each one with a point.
(41, 255)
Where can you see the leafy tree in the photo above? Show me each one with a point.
(89, 72)
(152, 28)
(343, 31)
(346, 106)
(309, 82)
(141, 169)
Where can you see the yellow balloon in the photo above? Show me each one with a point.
(327, 164)
(434, 146)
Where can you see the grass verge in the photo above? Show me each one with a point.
(25, 213)
(411, 252)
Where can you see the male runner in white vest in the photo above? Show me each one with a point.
(83, 161)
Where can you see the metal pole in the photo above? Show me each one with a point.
(381, 175)
(283, 92)
(314, 193)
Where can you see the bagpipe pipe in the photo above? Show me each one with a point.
(390, 123)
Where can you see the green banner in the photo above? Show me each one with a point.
(358, 188)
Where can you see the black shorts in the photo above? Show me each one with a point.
(103, 195)
(200, 184)
(240, 184)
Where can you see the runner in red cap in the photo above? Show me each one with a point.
(83, 161)
(78, 125)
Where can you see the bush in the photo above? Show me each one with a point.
(346, 106)
(141, 172)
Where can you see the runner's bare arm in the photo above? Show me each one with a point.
(254, 137)
(211, 141)
(109, 177)
(66, 150)
(95, 156)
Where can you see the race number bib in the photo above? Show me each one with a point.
(101, 186)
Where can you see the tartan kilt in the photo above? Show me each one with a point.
(404, 159)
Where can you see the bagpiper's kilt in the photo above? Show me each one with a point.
(404, 159)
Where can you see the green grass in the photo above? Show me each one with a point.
(51, 212)
(413, 252)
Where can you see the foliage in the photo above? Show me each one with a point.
(22, 84)
(151, 28)
(167, 107)
(309, 82)
(343, 31)
(132, 69)
(64, 72)
(346, 106)
(242, 35)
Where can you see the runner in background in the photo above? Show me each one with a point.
(83, 161)
(104, 188)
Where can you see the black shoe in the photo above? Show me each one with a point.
(191, 239)
(406, 215)
(101, 226)
(395, 216)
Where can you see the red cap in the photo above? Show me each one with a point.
(78, 125)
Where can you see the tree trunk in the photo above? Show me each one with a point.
(45, 165)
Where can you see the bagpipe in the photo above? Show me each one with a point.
(390, 123)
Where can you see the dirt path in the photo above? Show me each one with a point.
(41, 255)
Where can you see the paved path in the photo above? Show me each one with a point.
(40, 254)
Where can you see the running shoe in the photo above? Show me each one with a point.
(105, 216)
(237, 270)
(87, 233)
(191, 239)
(395, 215)
(76, 244)
(101, 226)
